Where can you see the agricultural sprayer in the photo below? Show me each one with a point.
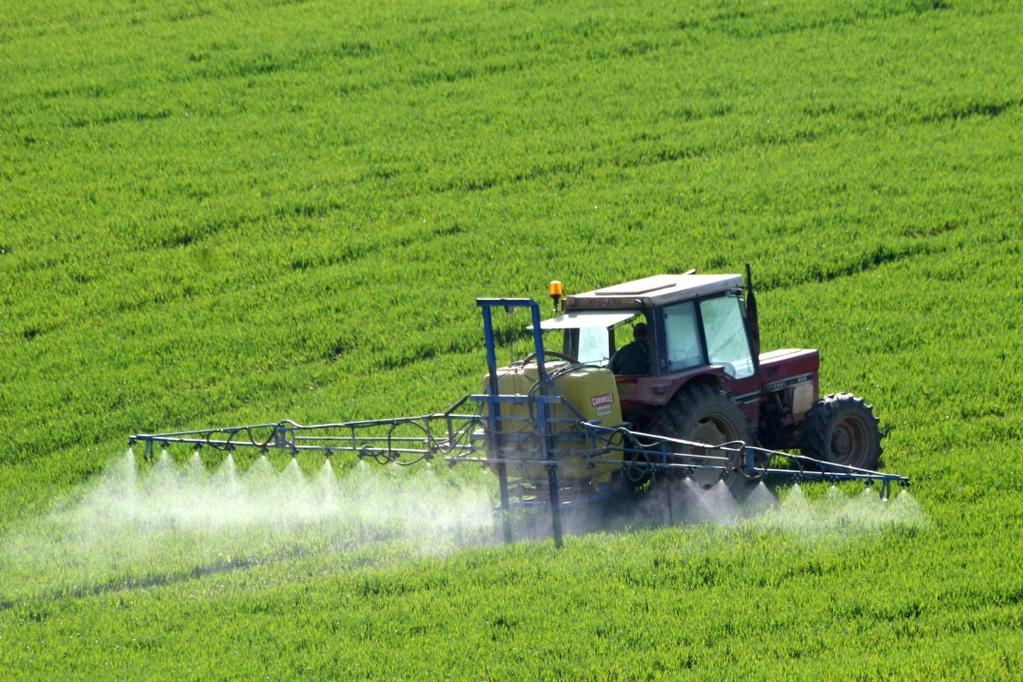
(690, 396)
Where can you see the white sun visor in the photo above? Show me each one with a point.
(586, 320)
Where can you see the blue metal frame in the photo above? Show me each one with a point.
(493, 402)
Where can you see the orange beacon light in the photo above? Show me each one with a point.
(556, 291)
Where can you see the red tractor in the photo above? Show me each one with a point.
(704, 378)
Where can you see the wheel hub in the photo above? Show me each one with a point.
(841, 441)
(707, 431)
(848, 441)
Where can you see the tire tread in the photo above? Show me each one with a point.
(816, 428)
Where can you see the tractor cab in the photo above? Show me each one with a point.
(710, 330)
(701, 332)
(696, 323)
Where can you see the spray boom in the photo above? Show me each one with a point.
(553, 443)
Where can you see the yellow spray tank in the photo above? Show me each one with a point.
(588, 393)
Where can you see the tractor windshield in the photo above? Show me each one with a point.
(593, 346)
(589, 335)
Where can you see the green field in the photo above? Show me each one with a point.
(215, 212)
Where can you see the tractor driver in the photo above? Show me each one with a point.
(633, 358)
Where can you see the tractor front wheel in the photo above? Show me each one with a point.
(842, 428)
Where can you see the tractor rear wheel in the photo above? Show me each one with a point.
(705, 414)
(842, 428)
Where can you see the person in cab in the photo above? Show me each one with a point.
(633, 358)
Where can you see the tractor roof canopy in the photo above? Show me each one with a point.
(586, 320)
(652, 292)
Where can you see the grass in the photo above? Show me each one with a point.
(213, 213)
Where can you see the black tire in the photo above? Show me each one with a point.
(705, 414)
(842, 428)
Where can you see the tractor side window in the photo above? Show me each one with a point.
(593, 345)
(683, 336)
(725, 329)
